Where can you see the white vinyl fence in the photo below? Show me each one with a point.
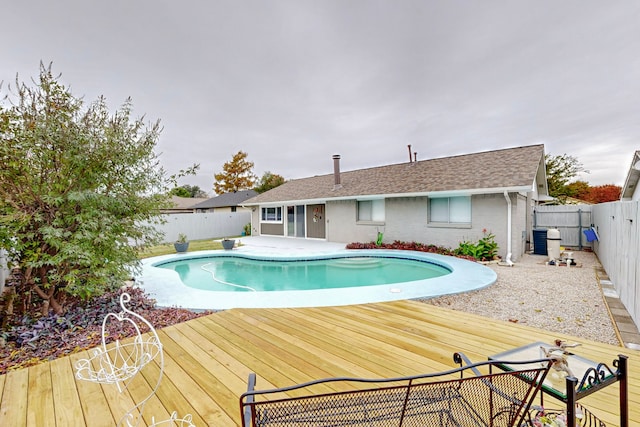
(618, 249)
(570, 220)
(196, 226)
(209, 225)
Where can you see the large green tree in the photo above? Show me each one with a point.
(190, 191)
(268, 181)
(237, 174)
(560, 170)
(80, 190)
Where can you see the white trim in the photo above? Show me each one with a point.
(444, 193)
(272, 221)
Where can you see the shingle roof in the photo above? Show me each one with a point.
(185, 202)
(512, 168)
(226, 200)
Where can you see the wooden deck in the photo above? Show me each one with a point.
(207, 362)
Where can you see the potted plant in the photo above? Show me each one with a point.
(182, 244)
(247, 230)
(227, 244)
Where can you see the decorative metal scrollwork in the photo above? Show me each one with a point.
(119, 363)
(595, 376)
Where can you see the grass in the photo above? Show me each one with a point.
(194, 245)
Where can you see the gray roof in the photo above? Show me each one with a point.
(512, 169)
(226, 200)
(184, 202)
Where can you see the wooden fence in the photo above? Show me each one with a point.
(618, 249)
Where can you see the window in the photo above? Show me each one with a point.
(450, 210)
(273, 214)
(371, 210)
(234, 209)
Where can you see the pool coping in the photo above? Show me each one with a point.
(167, 289)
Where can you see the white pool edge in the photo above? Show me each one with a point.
(167, 289)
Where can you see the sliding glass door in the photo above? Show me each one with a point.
(295, 221)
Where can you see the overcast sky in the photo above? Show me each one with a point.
(294, 82)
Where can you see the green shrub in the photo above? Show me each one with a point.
(485, 249)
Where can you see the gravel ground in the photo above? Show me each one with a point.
(566, 300)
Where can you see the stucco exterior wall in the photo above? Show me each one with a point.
(255, 222)
(406, 220)
(342, 226)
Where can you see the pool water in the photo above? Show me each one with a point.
(239, 274)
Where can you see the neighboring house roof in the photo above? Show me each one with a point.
(513, 169)
(551, 201)
(182, 204)
(226, 200)
(633, 177)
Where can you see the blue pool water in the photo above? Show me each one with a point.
(167, 285)
(241, 274)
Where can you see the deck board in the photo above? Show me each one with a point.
(207, 361)
(15, 396)
(40, 404)
(65, 394)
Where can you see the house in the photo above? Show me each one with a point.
(630, 190)
(440, 201)
(227, 202)
(181, 205)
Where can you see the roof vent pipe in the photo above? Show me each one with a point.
(409, 147)
(336, 172)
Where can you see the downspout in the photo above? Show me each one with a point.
(508, 258)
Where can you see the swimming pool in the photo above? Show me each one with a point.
(168, 289)
(237, 273)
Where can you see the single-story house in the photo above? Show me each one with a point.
(441, 201)
(227, 202)
(630, 190)
(181, 205)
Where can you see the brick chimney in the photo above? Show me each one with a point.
(336, 172)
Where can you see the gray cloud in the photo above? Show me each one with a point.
(293, 82)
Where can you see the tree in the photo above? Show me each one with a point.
(188, 191)
(180, 192)
(578, 189)
(80, 189)
(604, 193)
(560, 170)
(269, 181)
(237, 174)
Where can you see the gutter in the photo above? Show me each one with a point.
(444, 193)
(508, 258)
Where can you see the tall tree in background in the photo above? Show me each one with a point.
(191, 191)
(560, 170)
(268, 181)
(78, 186)
(237, 174)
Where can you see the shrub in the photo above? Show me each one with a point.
(409, 246)
(486, 249)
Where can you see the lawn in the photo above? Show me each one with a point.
(194, 245)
